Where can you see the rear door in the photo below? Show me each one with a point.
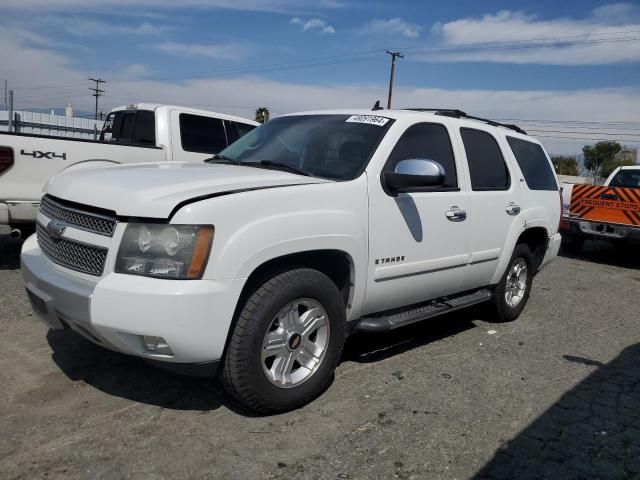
(494, 202)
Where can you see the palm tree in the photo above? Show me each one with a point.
(262, 114)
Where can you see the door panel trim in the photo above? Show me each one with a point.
(485, 255)
(391, 272)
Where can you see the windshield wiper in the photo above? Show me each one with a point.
(220, 159)
(284, 166)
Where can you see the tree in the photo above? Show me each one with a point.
(262, 114)
(610, 165)
(596, 156)
(565, 165)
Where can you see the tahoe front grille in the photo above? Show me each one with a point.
(78, 218)
(72, 254)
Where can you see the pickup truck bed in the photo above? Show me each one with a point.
(49, 155)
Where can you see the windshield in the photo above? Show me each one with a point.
(626, 178)
(338, 147)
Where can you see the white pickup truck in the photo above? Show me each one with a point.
(608, 212)
(132, 134)
(259, 262)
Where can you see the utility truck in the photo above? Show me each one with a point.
(131, 134)
(259, 262)
(609, 212)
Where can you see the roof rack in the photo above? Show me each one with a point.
(454, 113)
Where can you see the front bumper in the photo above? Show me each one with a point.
(192, 316)
(600, 231)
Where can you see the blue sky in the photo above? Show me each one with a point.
(549, 60)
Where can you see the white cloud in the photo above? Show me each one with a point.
(577, 41)
(35, 67)
(313, 24)
(84, 27)
(228, 51)
(393, 26)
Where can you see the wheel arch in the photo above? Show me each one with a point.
(338, 265)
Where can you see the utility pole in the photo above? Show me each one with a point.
(6, 98)
(96, 91)
(393, 69)
(10, 112)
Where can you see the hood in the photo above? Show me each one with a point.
(153, 189)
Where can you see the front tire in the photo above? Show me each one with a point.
(286, 343)
(511, 294)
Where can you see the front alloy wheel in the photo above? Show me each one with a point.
(296, 342)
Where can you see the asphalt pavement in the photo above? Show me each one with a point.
(555, 394)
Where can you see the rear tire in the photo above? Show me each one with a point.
(275, 360)
(512, 292)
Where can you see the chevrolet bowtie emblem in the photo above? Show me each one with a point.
(56, 228)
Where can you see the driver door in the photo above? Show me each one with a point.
(418, 250)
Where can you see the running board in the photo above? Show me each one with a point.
(384, 323)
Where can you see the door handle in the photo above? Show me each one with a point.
(512, 209)
(455, 214)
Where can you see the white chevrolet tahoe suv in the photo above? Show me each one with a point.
(260, 261)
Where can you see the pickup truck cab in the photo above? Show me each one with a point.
(608, 212)
(259, 262)
(137, 133)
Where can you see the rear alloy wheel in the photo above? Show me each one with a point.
(511, 294)
(287, 341)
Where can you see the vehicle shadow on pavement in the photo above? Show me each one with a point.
(131, 378)
(371, 347)
(607, 254)
(10, 252)
(593, 431)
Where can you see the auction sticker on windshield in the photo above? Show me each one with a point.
(370, 119)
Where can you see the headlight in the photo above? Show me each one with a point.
(165, 251)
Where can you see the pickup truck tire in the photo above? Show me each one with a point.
(286, 342)
(512, 292)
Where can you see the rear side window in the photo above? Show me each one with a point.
(486, 163)
(428, 141)
(534, 164)
(202, 134)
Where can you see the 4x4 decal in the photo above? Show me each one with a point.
(40, 154)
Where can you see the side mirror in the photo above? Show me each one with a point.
(414, 175)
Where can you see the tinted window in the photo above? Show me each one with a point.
(534, 164)
(126, 130)
(626, 178)
(144, 128)
(427, 141)
(235, 130)
(202, 134)
(329, 146)
(486, 163)
(137, 127)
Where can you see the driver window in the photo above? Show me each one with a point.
(429, 141)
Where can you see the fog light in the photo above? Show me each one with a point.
(156, 345)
